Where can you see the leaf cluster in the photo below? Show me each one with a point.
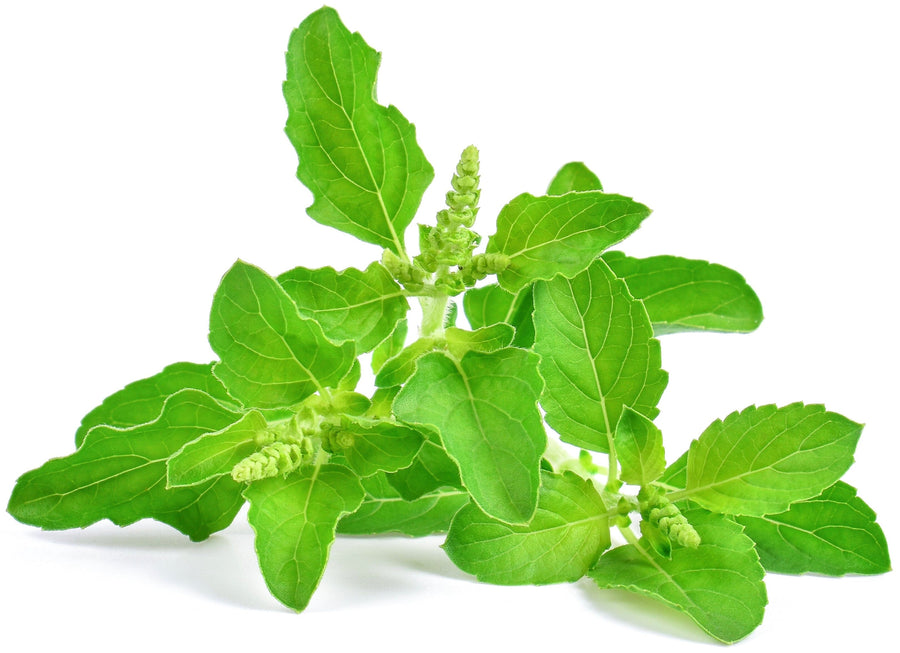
(563, 332)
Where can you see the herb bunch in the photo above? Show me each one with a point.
(453, 439)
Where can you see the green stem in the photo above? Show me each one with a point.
(612, 480)
(630, 537)
(678, 495)
(561, 460)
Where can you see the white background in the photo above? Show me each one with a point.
(142, 152)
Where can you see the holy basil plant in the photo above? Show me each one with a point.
(562, 333)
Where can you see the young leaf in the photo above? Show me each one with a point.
(598, 355)
(574, 176)
(379, 445)
(719, 584)
(363, 307)
(676, 474)
(396, 370)
(294, 519)
(562, 541)
(216, 453)
(688, 295)
(271, 357)
(639, 446)
(760, 460)
(381, 402)
(390, 346)
(351, 379)
(385, 511)
(359, 158)
(491, 304)
(451, 314)
(142, 401)
(549, 235)
(485, 409)
(350, 402)
(430, 470)
(120, 475)
(486, 339)
(834, 533)
(488, 305)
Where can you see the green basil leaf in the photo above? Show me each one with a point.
(598, 355)
(689, 295)
(676, 474)
(398, 369)
(390, 346)
(485, 409)
(385, 511)
(719, 584)
(562, 541)
(834, 533)
(574, 176)
(486, 339)
(294, 519)
(363, 307)
(142, 401)
(216, 453)
(489, 305)
(760, 460)
(351, 379)
(120, 475)
(430, 470)
(639, 446)
(379, 445)
(271, 356)
(360, 159)
(382, 402)
(550, 235)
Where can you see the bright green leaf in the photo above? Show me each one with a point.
(562, 541)
(760, 460)
(488, 305)
(271, 356)
(676, 474)
(573, 176)
(142, 401)
(363, 307)
(385, 511)
(639, 446)
(689, 295)
(351, 379)
(523, 318)
(834, 533)
(491, 304)
(550, 235)
(348, 402)
(398, 369)
(430, 470)
(294, 519)
(379, 445)
(120, 475)
(485, 409)
(359, 158)
(719, 584)
(216, 453)
(598, 355)
(486, 339)
(382, 401)
(390, 346)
